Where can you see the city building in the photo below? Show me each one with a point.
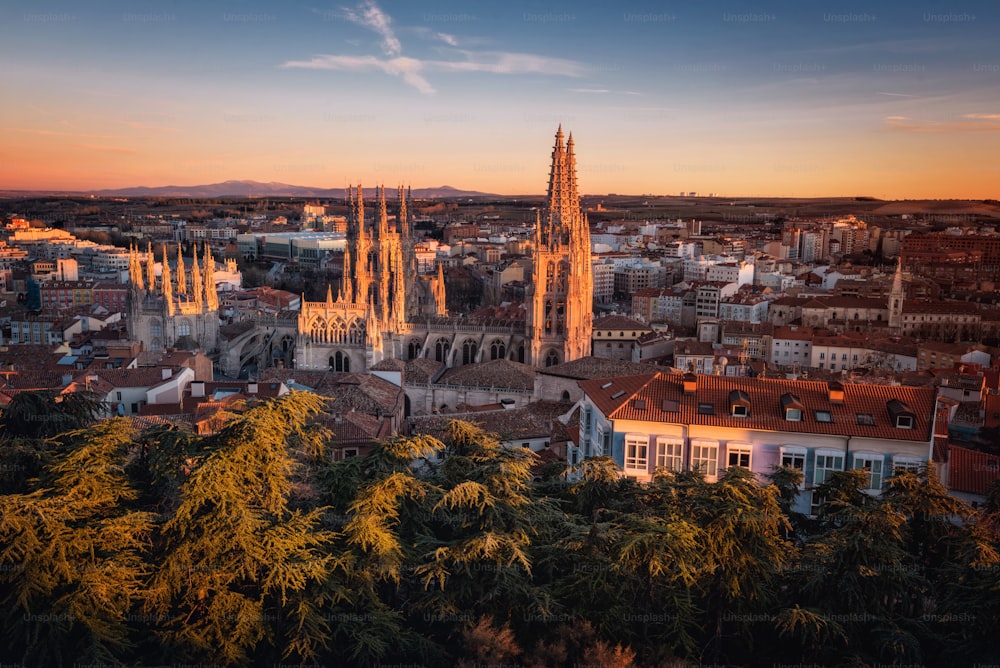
(384, 308)
(709, 423)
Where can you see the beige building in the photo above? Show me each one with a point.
(168, 312)
(385, 309)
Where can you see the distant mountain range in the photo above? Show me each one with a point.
(257, 189)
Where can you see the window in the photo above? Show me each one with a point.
(865, 419)
(904, 464)
(873, 465)
(738, 454)
(740, 411)
(184, 329)
(794, 458)
(826, 464)
(636, 447)
(904, 422)
(823, 416)
(793, 414)
(668, 454)
(705, 458)
(706, 409)
(822, 356)
(350, 452)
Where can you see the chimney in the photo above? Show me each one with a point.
(252, 388)
(690, 383)
(836, 392)
(166, 372)
(197, 388)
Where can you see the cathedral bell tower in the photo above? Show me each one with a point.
(560, 317)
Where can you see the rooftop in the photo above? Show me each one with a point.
(660, 397)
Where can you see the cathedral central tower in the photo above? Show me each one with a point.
(561, 296)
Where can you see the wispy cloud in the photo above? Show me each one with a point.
(407, 69)
(895, 94)
(369, 15)
(594, 91)
(973, 123)
(412, 70)
(423, 32)
(502, 62)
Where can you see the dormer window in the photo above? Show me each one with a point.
(791, 407)
(835, 392)
(739, 403)
(901, 415)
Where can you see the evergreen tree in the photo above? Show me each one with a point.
(73, 550)
(238, 561)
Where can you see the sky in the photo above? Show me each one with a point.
(778, 98)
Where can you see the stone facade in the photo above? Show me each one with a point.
(385, 310)
(164, 312)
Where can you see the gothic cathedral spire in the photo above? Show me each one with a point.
(562, 292)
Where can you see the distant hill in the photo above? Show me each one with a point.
(272, 189)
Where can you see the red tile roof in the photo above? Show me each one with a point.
(971, 471)
(616, 322)
(645, 398)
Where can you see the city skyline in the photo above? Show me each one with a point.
(734, 99)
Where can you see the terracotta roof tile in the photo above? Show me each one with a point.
(616, 322)
(495, 373)
(597, 367)
(660, 398)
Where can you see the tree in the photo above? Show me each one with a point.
(79, 548)
(238, 560)
(745, 553)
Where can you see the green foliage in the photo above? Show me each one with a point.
(252, 547)
(75, 550)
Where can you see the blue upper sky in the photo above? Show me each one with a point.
(796, 98)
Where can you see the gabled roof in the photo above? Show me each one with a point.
(421, 370)
(495, 373)
(660, 398)
(616, 322)
(596, 367)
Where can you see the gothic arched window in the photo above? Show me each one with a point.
(413, 351)
(469, 349)
(498, 350)
(339, 361)
(562, 284)
(441, 350)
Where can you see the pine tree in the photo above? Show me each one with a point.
(75, 550)
(238, 560)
